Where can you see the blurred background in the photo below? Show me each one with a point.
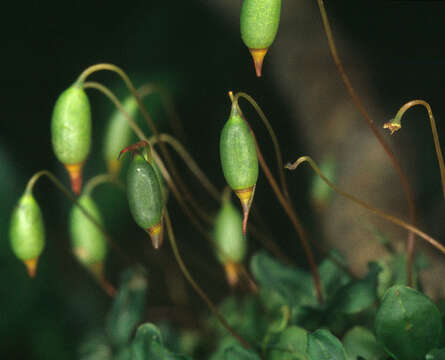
(392, 50)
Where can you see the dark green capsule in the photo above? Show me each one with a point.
(230, 243)
(27, 232)
(238, 153)
(259, 25)
(145, 198)
(88, 242)
(71, 132)
(119, 134)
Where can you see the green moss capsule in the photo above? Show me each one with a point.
(259, 25)
(239, 159)
(88, 242)
(145, 198)
(230, 243)
(27, 232)
(118, 134)
(71, 132)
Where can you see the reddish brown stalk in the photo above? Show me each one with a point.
(403, 179)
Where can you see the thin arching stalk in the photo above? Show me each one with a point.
(169, 107)
(403, 179)
(101, 179)
(376, 211)
(175, 174)
(290, 213)
(271, 133)
(109, 94)
(395, 124)
(196, 287)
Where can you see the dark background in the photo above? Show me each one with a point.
(198, 56)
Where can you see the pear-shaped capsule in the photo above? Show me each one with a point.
(230, 243)
(71, 132)
(259, 26)
(145, 198)
(239, 159)
(27, 232)
(119, 134)
(88, 242)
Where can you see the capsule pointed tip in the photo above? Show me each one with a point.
(156, 235)
(75, 173)
(245, 196)
(258, 58)
(232, 273)
(31, 266)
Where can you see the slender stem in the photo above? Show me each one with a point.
(191, 163)
(29, 187)
(403, 179)
(169, 107)
(395, 124)
(100, 179)
(376, 211)
(196, 287)
(272, 135)
(290, 213)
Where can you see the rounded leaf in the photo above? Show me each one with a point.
(71, 126)
(359, 341)
(228, 234)
(259, 22)
(408, 324)
(89, 243)
(238, 153)
(27, 232)
(144, 193)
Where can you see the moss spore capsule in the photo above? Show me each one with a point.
(118, 134)
(88, 242)
(27, 232)
(230, 243)
(145, 198)
(239, 159)
(259, 25)
(71, 132)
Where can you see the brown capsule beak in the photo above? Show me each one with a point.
(258, 58)
(75, 173)
(31, 266)
(232, 273)
(156, 235)
(246, 197)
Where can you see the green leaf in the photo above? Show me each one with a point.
(95, 347)
(436, 354)
(359, 341)
(333, 277)
(148, 344)
(291, 344)
(237, 352)
(408, 324)
(322, 345)
(360, 294)
(293, 287)
(246, 316)
(128, 307)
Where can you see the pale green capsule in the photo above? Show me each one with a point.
(88, 242)
(27, 231)
(259, 25)
(119, 134)
(71, 132)
(230, 244)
